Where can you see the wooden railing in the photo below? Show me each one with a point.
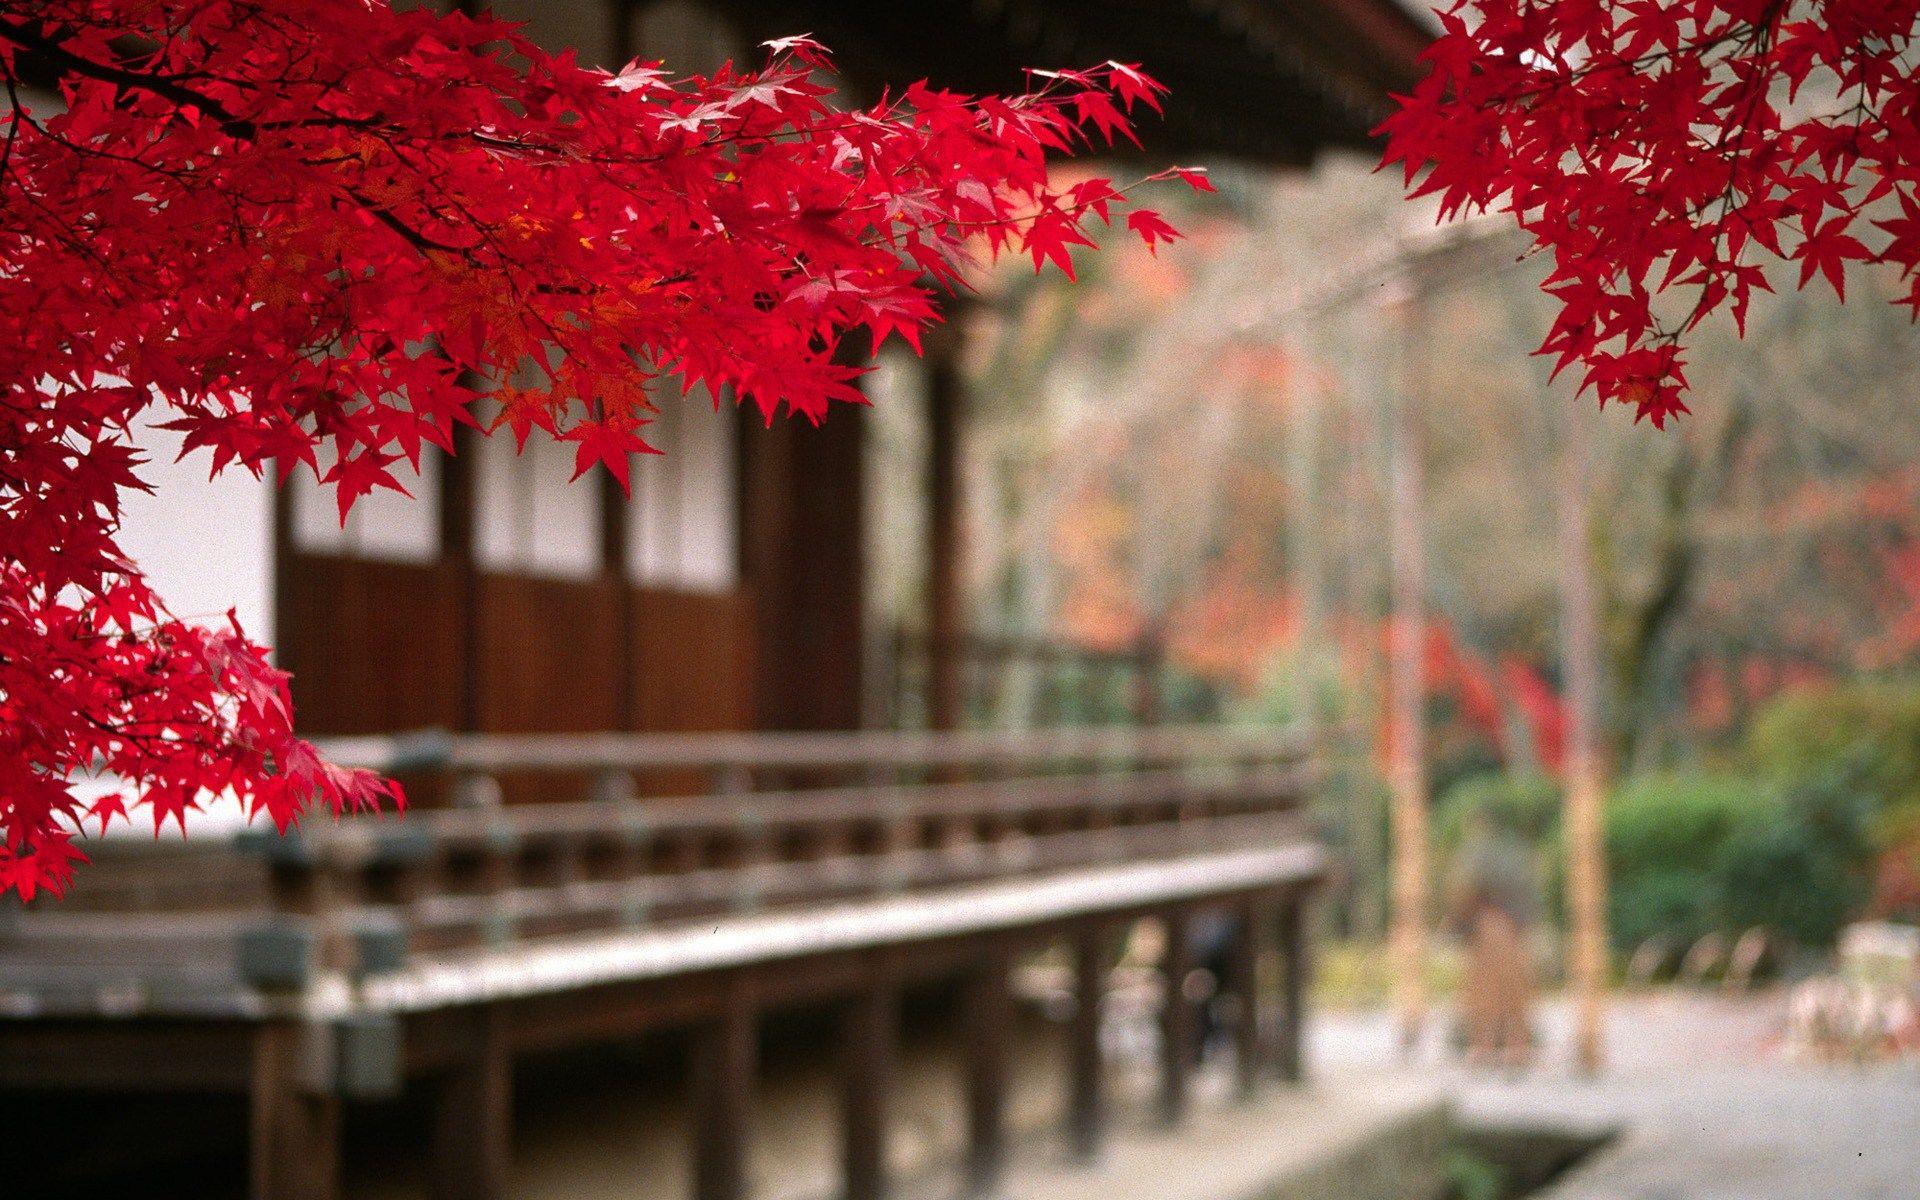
(750, 823)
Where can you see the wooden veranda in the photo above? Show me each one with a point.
(352, 961)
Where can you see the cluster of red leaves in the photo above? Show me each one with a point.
(1657, 148)
(311, 234)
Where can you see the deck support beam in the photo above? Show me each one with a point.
(987, 1027)
(869, 1033)
(1295, 969)
(471, 1154)
(725, 1061)
(1250, 1034)
(1086, 1067)
(1177, 1027)
(293, 1125)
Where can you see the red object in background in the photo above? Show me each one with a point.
(1544, 710)
(303, 229)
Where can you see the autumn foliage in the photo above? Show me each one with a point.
(311, 234)
(1661, 151)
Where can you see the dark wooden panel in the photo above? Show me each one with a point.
(693, 661)
(549, 654)
(803, 553)
(373, 646)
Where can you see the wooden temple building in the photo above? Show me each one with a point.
(652, 792)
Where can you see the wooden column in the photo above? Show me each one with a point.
(1295, 970)
(294, 1128)
(946, 692)
(868, 1037)
(987, 1026)
(725, 1060)
(1243, 984)
(1176, 1018)
(802, 553)
(614, 511)
(472, 1131)
(1086, 1073)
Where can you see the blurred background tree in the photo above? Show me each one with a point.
(1758, 567)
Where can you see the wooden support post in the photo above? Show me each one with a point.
(1243, 984)
(294, 1126)
(1177, 1027)
(1295, 969)
(946, 662)
(868, 1034)
(987, 1026)
(472, 1132)
(725, 1061)
(1086, 1070)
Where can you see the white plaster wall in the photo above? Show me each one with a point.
(682, 528)
(383, 524)
(205, 545)
(531, 517)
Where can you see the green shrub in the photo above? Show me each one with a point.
(1526, 805)
(1692, 853)
(1847, 757)
(1664, 836)
(1863, 735)
(1788, 876)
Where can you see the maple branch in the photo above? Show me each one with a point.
(167, 87)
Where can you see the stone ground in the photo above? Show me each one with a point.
(1706, 1104)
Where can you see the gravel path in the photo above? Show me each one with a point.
(1706, 1105)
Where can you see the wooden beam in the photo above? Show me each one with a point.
(725, 1061)
(868, 1037)
(1176, 1017)
(471, 1138)
(293, 1125)
(1086, 1068)
(119, 1055)
(1295, 969)
(987, 1027)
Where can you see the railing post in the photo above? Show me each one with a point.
(1176, 1017)
(1149, 656)
(987, 1027)
(868, 1033)
(294, 1123)
(501, 850)
(1086, 1092)
(725, 1060)
(471, 1150)
(1295, 969)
